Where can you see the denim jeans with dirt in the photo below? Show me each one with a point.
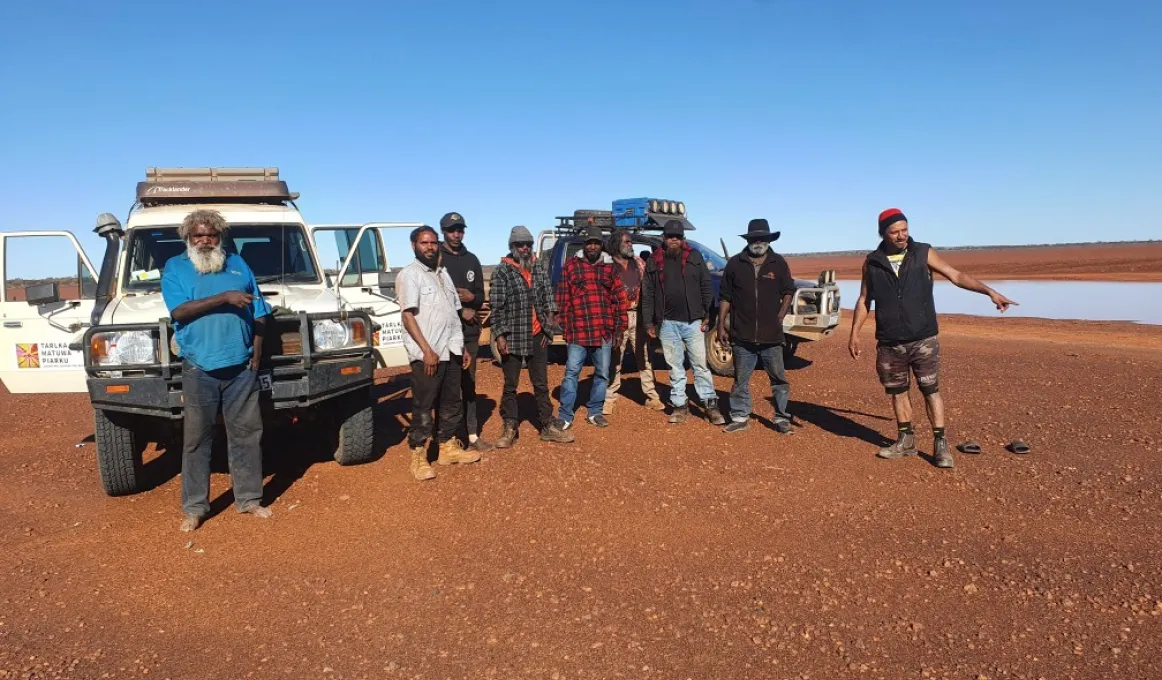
(681, 341)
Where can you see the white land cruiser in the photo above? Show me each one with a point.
(110, 334)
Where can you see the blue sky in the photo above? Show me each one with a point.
(986, 122)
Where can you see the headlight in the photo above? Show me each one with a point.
(332, 334)
(123, 348)
(653, 205)
(681, 208)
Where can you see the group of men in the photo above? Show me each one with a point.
(608, 302)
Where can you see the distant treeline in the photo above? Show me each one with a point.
(1092, 244)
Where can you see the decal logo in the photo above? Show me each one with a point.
(471, 276)
(28, 356)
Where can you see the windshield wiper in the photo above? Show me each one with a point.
(271, 278)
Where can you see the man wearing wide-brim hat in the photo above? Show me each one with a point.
(754, 297)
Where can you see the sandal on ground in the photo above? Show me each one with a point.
(1019, 447)
(970, 446)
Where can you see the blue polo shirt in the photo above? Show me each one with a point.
(223, 337)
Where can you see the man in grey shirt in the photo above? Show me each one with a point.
(431, 316)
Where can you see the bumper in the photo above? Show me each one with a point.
(290, 387)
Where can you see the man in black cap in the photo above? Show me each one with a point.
(754, 296)
(897, 276)
(676, 298)
(468, 277)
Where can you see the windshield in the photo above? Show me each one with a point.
(274, 252)
(714, 261)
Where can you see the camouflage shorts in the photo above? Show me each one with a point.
(896, 364)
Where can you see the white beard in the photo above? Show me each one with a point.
(758, 249)
(210, 262)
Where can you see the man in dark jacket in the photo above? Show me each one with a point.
(676, 299)
(468, 277)
(897, 277)
(754, 296)
(523, 322)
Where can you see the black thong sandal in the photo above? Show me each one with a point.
(1019, 447)
(968, 447)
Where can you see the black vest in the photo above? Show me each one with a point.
(905, 310)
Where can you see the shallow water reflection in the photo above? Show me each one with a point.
(1086, 300)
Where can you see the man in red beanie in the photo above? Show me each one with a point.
(897, 277)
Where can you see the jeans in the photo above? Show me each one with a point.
(746, 357)
(681, 340)
(445, 384)
(468, 385)
(538, 376)
(577, 357)
(235, 391)
(638, 344)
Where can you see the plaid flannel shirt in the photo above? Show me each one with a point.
(591, 301)
(512, 302)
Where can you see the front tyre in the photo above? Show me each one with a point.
(355, 413)
(119, 460)
(719, 357)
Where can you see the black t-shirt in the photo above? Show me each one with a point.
(465, 271)
(674, 286)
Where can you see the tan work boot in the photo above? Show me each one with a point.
(451, 453)
(508, 437)
(655, 404)
(421, 469)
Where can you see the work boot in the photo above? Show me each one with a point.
(713, 414)
(655, 404)
(904, 446)
(738, 426)
(421, 469)
(190, 523)
(508, 437)
(941, 453)
(480, 445)
(782, 426)
(679, 414)
(556, 433)
(451, 452)
(257, 510)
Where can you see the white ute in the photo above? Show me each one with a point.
(113, 338)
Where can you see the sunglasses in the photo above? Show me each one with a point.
(523, 244)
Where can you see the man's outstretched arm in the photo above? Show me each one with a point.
(963, 280)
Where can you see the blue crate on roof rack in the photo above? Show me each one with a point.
(641, 212)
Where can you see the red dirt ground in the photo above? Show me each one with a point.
(1115, 262)
(643, 550)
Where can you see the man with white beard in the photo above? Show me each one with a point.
(755, 294)
(218, 315)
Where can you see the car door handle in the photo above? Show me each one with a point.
(13, 324)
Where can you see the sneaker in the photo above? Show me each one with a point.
(713, 414)
(782, 426)
(598, 420)
(679, 414)
(904, 446)
(480, 445)
(190, 523)
(257, 510)
(942, 455)
(738, 426)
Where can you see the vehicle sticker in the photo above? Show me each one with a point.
(47, 355)
(390, 334)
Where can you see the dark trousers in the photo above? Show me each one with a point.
(468, 386)
(538, 375)
(747, 356)
(445, 385)
(235, 392)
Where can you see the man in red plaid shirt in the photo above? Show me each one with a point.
(592, 306)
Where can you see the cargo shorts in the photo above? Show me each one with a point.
(896, 364)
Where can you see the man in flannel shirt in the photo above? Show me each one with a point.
(523, 322)
(592, 305)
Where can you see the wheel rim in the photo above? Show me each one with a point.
(722, 353)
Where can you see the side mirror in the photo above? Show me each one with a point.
(42, 294)
(387, 282)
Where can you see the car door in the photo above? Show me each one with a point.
(47, 300)
(356, 280)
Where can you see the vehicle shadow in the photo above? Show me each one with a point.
(832, 420)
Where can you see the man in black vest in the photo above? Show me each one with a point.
(755, 295)
(468, 277)
(897, 277)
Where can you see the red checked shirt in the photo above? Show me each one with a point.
(591, 302)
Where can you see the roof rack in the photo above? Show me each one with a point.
(167, 186)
